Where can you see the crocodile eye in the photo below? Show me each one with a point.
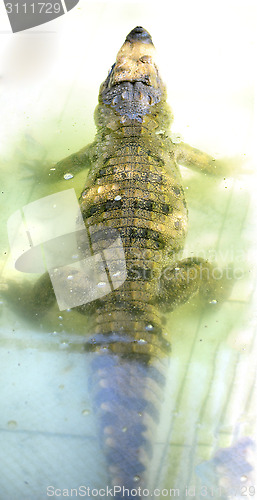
(146, 59)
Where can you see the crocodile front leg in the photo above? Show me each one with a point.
(193, 158)
(73, 164)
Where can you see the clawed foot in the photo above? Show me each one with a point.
(39, 171)
(17, 296)
(27, 299)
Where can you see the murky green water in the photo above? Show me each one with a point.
(47, 427)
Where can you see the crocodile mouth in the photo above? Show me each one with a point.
(133, 84)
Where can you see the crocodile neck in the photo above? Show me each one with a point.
(157, 120)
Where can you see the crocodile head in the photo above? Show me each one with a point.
(133, 85)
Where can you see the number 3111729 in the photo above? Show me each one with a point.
(243, 491)
(33, 8)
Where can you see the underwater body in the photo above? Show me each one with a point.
(134, 190)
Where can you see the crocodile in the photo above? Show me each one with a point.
(134, 188)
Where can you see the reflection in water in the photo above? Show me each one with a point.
(230, 471)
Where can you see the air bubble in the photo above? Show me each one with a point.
(243, 479)
(117, 198)
(142, 341)
(213, 301)
(176, 138)
(64, 345)
(108, 429)
(136, 478)
(149, 328)
(68, 176)
(12, 424)
(70, 277)
(85, 412)
(101, 284)
(109, 442)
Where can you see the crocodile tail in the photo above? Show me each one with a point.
(126, 395)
